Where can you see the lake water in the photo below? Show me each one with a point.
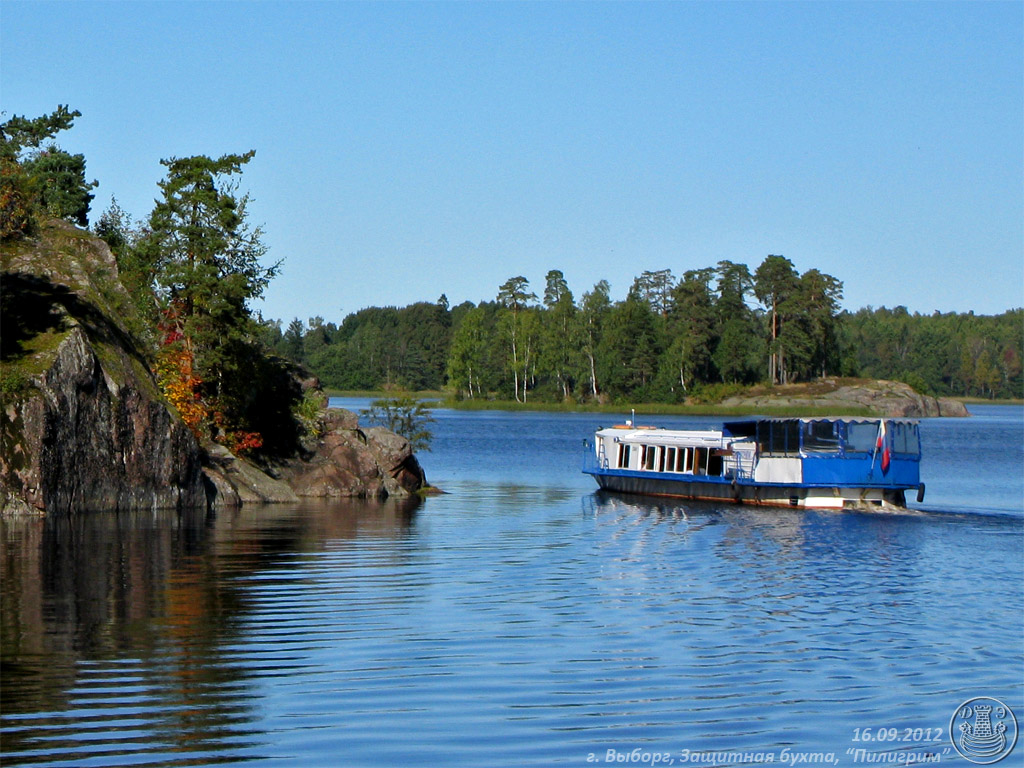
(522, 619)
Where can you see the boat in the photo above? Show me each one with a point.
(813, 463)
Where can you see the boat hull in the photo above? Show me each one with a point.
(712, 489)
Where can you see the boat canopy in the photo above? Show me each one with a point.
(827, 435)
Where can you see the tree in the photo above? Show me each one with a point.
(630, 342)
(515, 298)
(737, 355)
(693, 327)
(775, 282)
(34, 179)
(593, 312)
(292, 340)
(122, 235)
(20, 132)
(116, 228)
(206, 259)
(555, 288)
(466, 359)
(63, 191)
(559, 332)
(656, 289)
(819, 296)
(405, 416)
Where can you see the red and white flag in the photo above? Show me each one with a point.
(883, 445)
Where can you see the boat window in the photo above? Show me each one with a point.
(623, 455)
(904, 438)
(649, 456)
(661, 460)
(670, 459)
(699, 460)
(779, 438)
(861, 437)
(714, 464)
(821, 437)
(683, 460)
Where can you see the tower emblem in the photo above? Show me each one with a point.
(983, 730)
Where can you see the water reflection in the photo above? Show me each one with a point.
(518, 619)
(134, 615)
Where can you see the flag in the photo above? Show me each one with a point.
(883, 445)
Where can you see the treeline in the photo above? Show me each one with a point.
(938, 354)
(670, 339)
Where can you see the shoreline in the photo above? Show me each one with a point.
(783, 409)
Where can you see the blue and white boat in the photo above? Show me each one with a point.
(813, 463)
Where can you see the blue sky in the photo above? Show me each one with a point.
(405, 150)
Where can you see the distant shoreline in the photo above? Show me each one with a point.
(444, 400)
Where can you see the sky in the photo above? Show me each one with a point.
(410, 150)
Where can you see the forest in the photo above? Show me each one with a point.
(695, 338)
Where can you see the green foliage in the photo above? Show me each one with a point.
(20, 133)
(405, 416)
(122, 235)
(593, 312)
(307, 411)
(711, 394)
(776, 284)
(375, 348)
(19, 204)
(34, 180)
(63, 191)
(13, 381)
(467, 358)
(916, 381)
(691, 330)
(519, 328)
(631, 344)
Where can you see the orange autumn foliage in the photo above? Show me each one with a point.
(180, 385)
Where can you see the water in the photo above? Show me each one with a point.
(521, 619)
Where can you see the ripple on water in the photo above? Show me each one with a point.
(508, 626)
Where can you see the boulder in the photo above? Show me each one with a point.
(349, 461)
(232, 482)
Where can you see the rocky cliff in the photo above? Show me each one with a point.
(84, 426)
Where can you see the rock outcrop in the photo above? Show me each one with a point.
(892, 399)
(344, 461)
(82, 441)
(84, 426)
(349, 461)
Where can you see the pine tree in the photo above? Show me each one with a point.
(206, 259)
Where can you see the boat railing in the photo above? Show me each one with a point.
(592, 460)
(742, 465)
